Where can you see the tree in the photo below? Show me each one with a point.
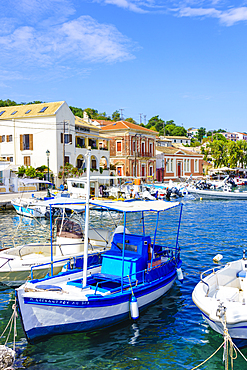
(219, 152)
(157, 123)
(131, 120)
(201, 133)
(115, 116)
(7, 103)
(218, 136)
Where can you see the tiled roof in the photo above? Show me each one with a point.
(123, 125)
(177, 137)
(173, 150)
(30, 110)
(80, 122)
(102, 122)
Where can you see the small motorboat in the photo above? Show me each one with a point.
(221, 296)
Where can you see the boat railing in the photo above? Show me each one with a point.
(132, 280)
(208, 272)
(7, 260)
(72, 261)
(48, 264)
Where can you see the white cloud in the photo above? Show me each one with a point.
(126, 5)
(83, 39)
(228, 17)
(233, 16)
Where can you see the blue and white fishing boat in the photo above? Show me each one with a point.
(132, 275)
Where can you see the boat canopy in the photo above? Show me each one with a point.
(128, 207)
(34, 181)
(136, 206)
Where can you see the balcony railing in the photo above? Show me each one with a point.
(143, 154)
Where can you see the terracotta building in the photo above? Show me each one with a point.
(132, 149)
(172, 163)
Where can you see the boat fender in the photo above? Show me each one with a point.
(180, 274)
(134, 310)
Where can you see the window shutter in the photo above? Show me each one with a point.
(0, 139)
(21, 142)
(61, 137)
(70, 138)
(7, 138)
(8, 158)
(30, 142)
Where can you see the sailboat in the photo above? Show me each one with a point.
(135, 272)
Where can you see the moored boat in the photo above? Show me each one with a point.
(134, 273)
(221, 296)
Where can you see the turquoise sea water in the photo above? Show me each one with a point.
(169, 335)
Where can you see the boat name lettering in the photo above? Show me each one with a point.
(55, 301)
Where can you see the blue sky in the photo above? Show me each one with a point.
(182, 60)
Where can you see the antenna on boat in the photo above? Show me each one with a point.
(244, 258)
(88, 155)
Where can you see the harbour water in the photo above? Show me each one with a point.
(169, 335)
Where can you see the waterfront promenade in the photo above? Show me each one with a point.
(5, 199)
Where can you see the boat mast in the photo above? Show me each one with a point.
(88, 155)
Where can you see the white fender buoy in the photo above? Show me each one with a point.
(134, 310)
(217, 258)
(180, 274)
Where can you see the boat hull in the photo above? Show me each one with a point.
(27, 211)
(39, 314)
(215, 194)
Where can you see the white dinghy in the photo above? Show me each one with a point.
(221, 296)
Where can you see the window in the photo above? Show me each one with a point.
(26, 142)
(196, 165)
(151, 171)
(66, 159)
(28, 111)
(11, 159)
(67, 138)
(3, 138)
(9, 138)
(168, 165)
(143, 149)
(174, 140)
(43, 109)
(134, 146)
(171, 165)
(119, 146)
(151, 148)
(27, 161)
(13, 112)
(2, 112)
(92, 143)
(1, 177)
(94, 164)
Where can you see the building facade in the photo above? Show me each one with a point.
(173, 163)
(28, 132)
(132, 149)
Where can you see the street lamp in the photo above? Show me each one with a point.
(48, 154)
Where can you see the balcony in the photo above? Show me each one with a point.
(143, 154)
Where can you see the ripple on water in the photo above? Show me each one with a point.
(169, 335)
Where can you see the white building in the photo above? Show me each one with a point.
(29, 131)
(178, 139)
(241, 135)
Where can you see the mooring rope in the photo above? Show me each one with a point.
(12, 321)
(230, 348)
